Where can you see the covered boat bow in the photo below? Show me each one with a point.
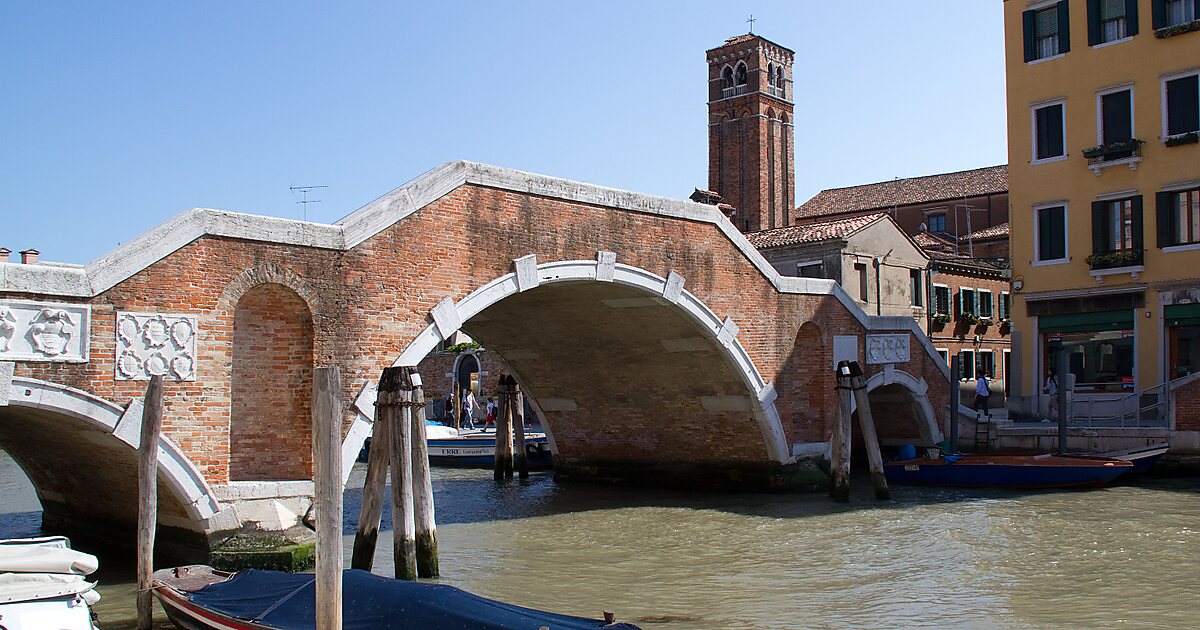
(198, 598)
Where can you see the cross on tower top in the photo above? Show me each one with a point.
(751, 21)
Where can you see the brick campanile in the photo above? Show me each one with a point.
(751, 135)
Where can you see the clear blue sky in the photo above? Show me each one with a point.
(117, 115)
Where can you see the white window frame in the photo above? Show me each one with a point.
(1008, 311)
(962, 366)
(978, 302)
(1066, 232)
(979, 353)
(1037, 6)
(1168, 17)
(1033, 130)
(1127, 36)
(949, 300)
(944, 353)
(1100, 94)
(809, 263)
(1183, 74)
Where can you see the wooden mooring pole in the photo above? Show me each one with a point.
(839, 487)
(519, 429)
(148, 499)
(374, 487)
(422, 484)
(395, 396)
(327, 473)
(503, 459)
(866, 423)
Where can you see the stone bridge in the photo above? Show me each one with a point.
(654, 341)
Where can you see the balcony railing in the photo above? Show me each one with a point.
(1117, 259)
(736, 90)
(777, 91)
(1123, 152)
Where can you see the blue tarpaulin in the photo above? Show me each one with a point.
(287, 601)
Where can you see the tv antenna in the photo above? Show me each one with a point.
(304, 200)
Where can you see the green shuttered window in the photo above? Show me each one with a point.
(1052, 233)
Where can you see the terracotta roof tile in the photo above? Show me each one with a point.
(902, 192)
(812, 233)
(996, 231)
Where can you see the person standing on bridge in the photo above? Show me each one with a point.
(982, 393)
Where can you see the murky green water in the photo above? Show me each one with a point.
(1125, 556)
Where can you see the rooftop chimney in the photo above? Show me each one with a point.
(29, 256)
(4, 252)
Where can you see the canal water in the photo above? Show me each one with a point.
(1125, 556)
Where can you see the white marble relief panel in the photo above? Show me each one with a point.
(44, 331)
(150, 344)
(887, 349)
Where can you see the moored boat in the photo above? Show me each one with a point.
(471, 448)
(1007, 471)
(43, 585)
(200, 598)
(1142, 458)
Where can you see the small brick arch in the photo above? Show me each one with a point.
(268, 273)
(925, 417)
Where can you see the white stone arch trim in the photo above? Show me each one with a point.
(724, 331)
(124, 423)
(891, 376)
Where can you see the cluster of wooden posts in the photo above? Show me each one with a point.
(852, 385)
(510, 417)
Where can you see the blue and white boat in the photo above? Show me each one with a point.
(473, 448)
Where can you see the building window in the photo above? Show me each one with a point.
(810, 269)
(966, 365)
(1116, 233)
(1101, 360)
(860, 270)
(1002, 307)
(1178, 217)
(740, 74)
(1181, 98)
(937, 223)
(1110, 20)
(986, 363)
(915, 293)
(968, 304)
(1116, 119)
(1174, 12)
(984, 299)
(1051, 234)
(1047, 31)
(1049, 139)
(941, 300)
(727, 78)
(771, 74)
(945, 354)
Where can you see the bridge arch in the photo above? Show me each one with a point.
(87, 466)
(630, 287)
(893, 386)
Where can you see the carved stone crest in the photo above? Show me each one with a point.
(51, 331)
(887, 349)
(156, 344)
(43, 331)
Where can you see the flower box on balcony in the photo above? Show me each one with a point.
(1191, 137)
(1115, 260)
(1177, 29)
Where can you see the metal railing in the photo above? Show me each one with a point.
(1145, 409)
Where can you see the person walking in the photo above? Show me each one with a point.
(982, 393)
(468, 412)
(490, 418)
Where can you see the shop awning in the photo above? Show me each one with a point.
(1087, 322)
(1182, 314)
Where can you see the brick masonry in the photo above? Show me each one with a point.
(582, 340)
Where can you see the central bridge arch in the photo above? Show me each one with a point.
(706, 399)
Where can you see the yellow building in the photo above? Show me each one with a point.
(1104, 176)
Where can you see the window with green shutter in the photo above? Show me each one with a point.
(1051, 233)
(941, 297)
(1110, 20)
(1183, 105)
(1046, 31)
(984, 299)
(1049, 141)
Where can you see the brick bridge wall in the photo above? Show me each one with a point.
(370, 284)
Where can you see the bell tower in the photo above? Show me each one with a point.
(751, 135)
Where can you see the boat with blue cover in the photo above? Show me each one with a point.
(198, 597)
(474, 448)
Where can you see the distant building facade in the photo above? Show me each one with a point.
(870, 256)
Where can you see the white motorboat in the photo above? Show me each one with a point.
(43, 585)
